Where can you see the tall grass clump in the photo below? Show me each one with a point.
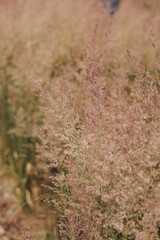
(105, 151)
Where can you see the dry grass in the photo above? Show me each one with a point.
(47, 39)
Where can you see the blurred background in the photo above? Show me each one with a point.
(46, 39)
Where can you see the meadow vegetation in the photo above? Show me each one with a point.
(79, 111)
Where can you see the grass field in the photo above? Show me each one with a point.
(79, 119)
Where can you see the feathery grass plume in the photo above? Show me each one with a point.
(107, 156)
